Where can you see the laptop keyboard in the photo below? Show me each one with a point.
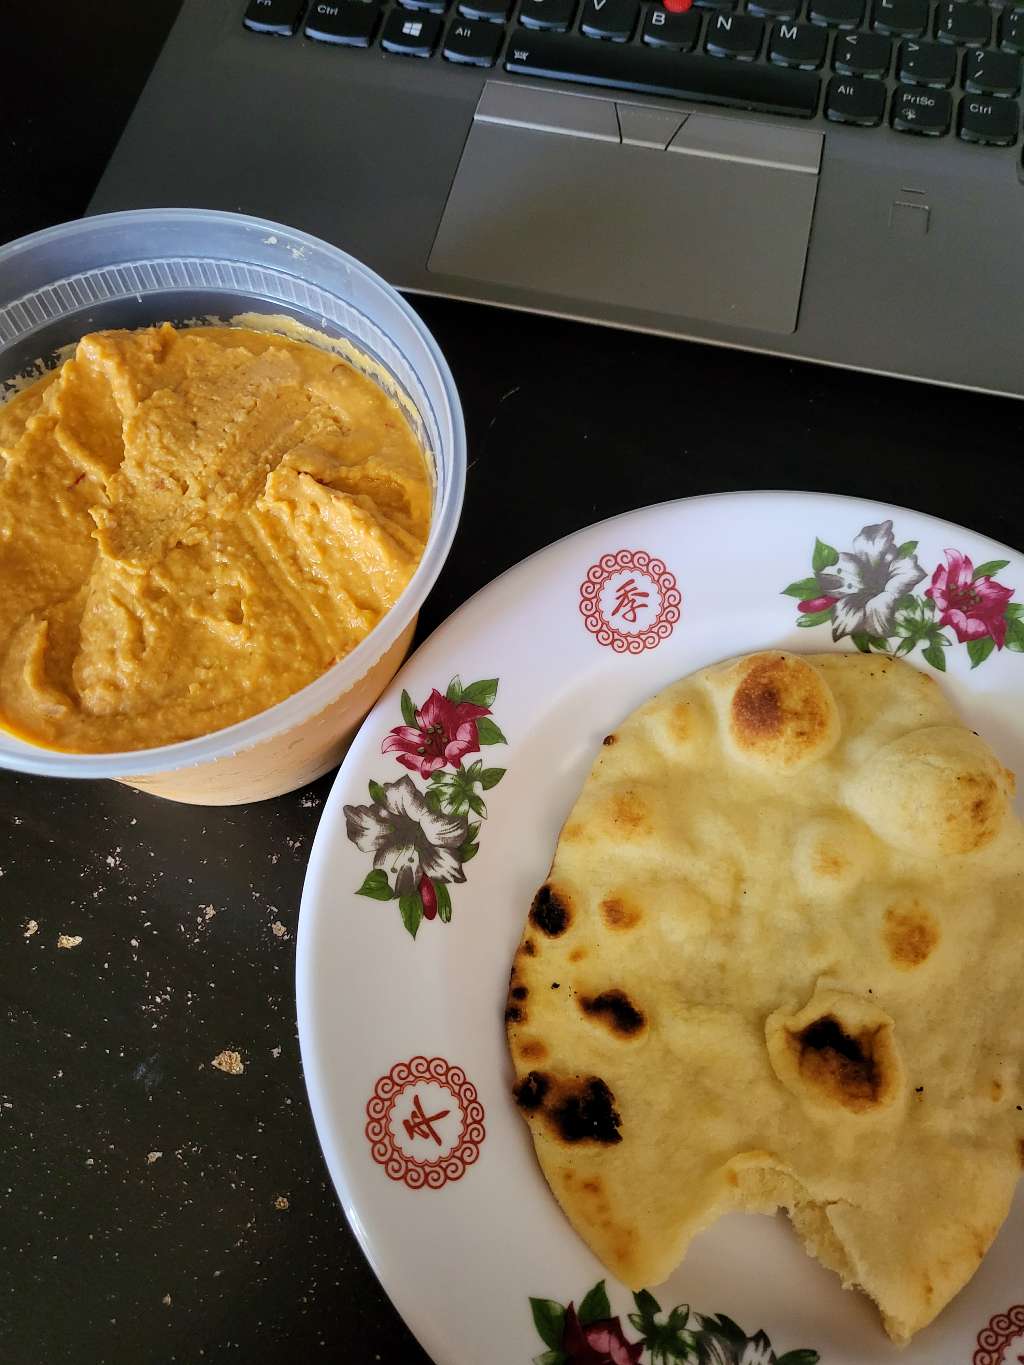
(929, 68)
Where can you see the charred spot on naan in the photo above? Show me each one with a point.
(852, 1070)
(551, 911)
(629, 814)
(782, 714)
(615, 1011)
(619, 913)
(911, 935)
(532, 1050)
(576, 1109)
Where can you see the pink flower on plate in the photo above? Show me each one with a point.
(445, 732)
(974, 607)
(817, 604)
(599, 1343)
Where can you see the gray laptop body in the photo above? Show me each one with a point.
(871, 247)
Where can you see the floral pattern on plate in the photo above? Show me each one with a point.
(589, 1335)
(873, 594)
(421, 837)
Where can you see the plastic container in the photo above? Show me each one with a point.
(178, 265)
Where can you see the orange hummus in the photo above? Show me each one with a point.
(193, 525)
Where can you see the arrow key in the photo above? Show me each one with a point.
(612, 19)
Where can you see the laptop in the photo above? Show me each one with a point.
(832, 180)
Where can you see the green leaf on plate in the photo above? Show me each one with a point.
(802, 589)
(481, 693)
(860, 639)
(490, 777)
(823, 556)
(444, 901)
(905, 646)
(979, 650)
(646, 1303)
(551, 1358)
(472, 832)
(934, 655)
(594, 1306)
(376, 886)
(1014, 611)
(454, 692)
(411, 908)
(799, 1358)
(377, 793)
(408, 709)
(1015, 636)
(476, 805)
(879, 643)
(989, 568)
(549, 1320)
(907, 548)
(815, 618)
(468, 851)
(473, 771)
(433, 800)
(487, 732)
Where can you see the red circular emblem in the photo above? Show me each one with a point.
(1002, 1341)
(630, 601)
(425, 1123)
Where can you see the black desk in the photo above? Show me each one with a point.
(142, 1193)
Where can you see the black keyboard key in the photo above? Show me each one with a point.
(614, 19)
(734, 35)
(556, 15)
(963, 22)
(836, 13)
(706, 80)
(1011, 30)
(862, 54)
(721, 5)
(409, 34)
(851, 100)
(280, 17)
(677, 32)
(994, 121)
(907, 18)
(471, 42)
(774, 9)
(931, 64)
(495, 11)
(802, 46)
(349, 23)
(991, 73)
(431, 6)
(921, 111)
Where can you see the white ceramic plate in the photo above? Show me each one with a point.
(402, 1037)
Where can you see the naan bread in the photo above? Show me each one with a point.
(777, 962)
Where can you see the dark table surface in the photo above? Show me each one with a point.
(152, 1208)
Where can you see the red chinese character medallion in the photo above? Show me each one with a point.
(1002, 1341)
(425, 1123)
(630, 601)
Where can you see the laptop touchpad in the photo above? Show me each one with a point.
(687, 214)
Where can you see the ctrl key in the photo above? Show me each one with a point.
(851, 100)
(349, 23)
(984, 119)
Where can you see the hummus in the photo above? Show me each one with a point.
(194, 525)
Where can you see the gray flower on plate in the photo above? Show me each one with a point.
(407, 839)
(867, 582)
(721, 1350)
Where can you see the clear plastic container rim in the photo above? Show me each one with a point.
(342, 676)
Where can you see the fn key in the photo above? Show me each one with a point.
(852, 100)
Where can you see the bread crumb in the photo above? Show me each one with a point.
(166, 1300)
(208, 912)
(153, 1156)
(68, 940)
(281, 1203)
(31, 928)
(276, 1052)
(278, 929)
(231, 1062)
